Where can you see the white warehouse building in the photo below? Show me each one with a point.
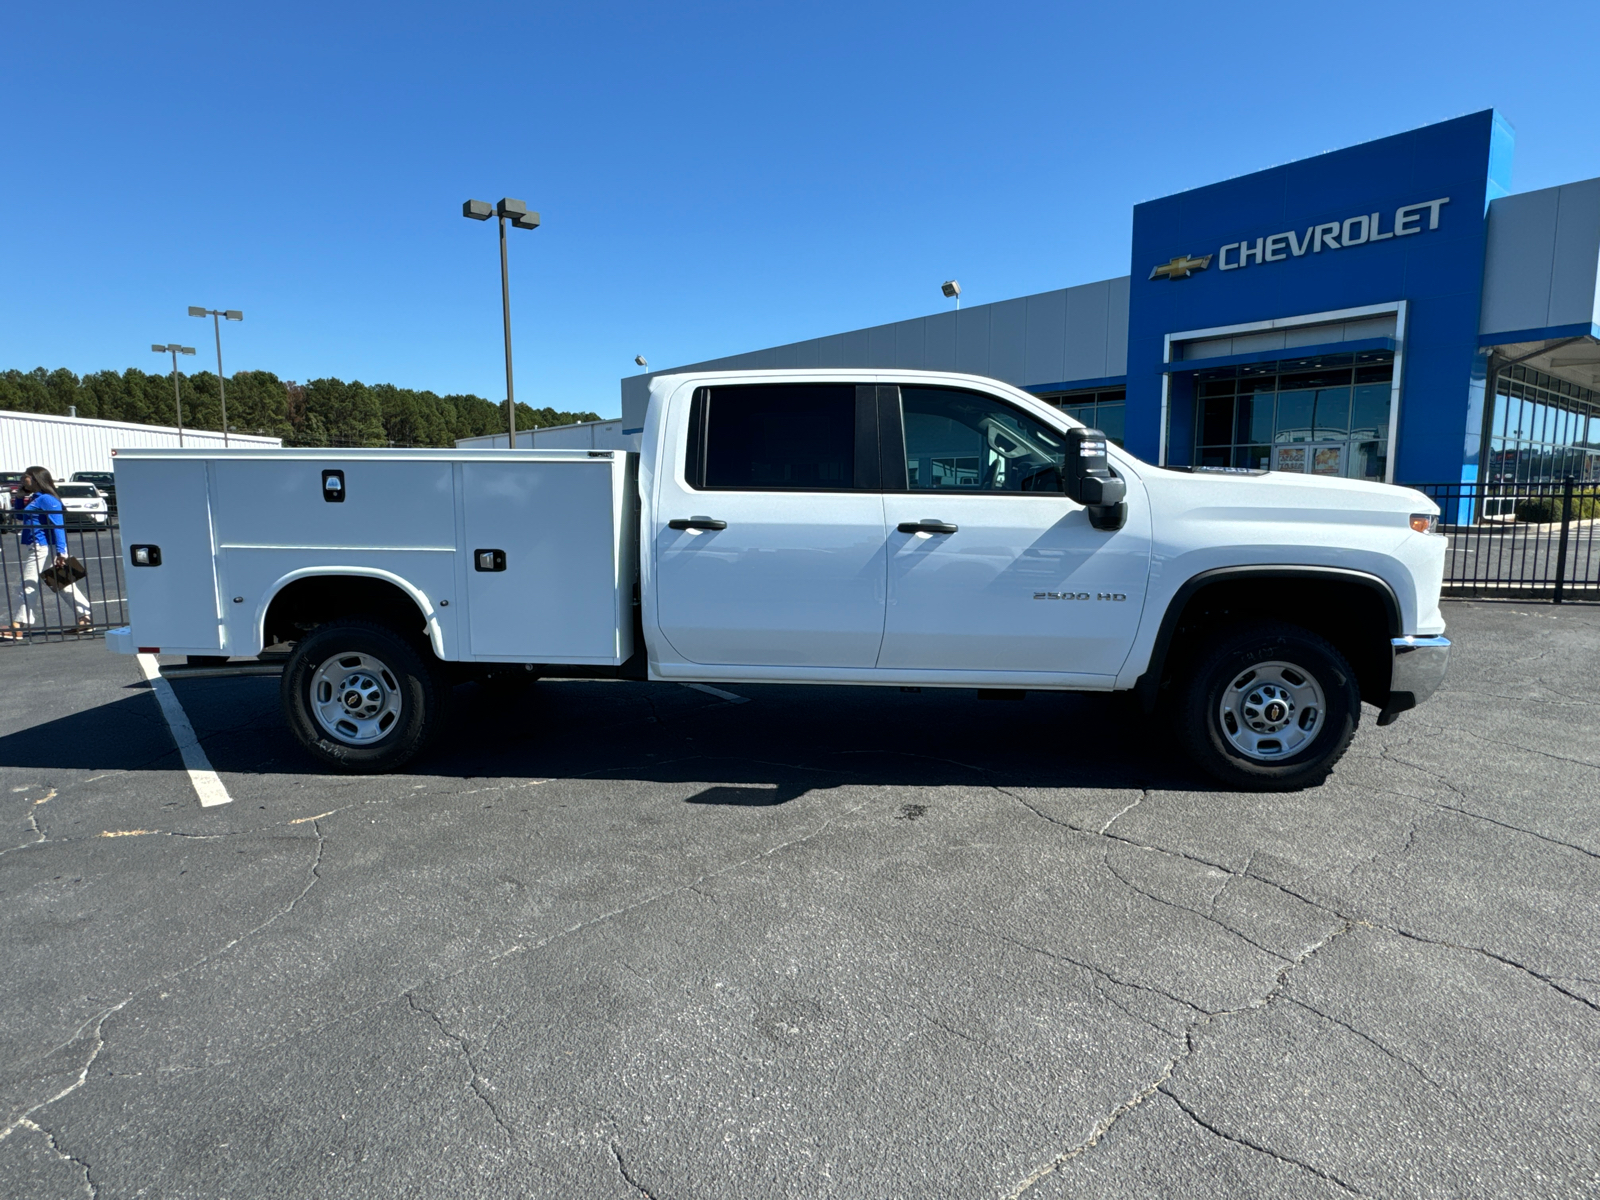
(582, 435)
(63, 445)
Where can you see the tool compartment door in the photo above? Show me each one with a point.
(166, 503)
(554, 584)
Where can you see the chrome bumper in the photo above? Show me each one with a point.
(1416, 672)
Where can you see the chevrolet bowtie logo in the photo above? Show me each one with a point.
(1181, 267)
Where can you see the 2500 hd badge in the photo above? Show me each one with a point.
(1080, 596)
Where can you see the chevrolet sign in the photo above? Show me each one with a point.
(1181, 267)
(1359, 230)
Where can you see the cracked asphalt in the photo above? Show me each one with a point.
(623, 940)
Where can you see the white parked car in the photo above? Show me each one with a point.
(905, 528)
(84, 504)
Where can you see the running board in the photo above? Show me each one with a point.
(224, 671)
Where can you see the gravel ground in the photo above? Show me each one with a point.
(623, 940)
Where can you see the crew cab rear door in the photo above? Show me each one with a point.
(768, 537)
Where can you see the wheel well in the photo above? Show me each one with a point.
(1357, 613)
(306, 603)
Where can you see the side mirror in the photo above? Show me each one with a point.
(1088, 479)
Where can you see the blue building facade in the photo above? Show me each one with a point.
(1389, 311)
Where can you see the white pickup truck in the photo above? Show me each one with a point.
(906, 528)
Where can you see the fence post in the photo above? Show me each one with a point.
(1561, 550)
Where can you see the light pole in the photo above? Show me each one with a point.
(952, 290)
(233, 314)
(174, 349)
(517, 213)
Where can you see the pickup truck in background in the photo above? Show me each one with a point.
(906, 528)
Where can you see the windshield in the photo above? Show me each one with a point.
(77, 491)
(92, 477)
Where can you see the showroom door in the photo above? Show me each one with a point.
(991, 567)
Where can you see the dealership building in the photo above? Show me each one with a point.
(1388, 311)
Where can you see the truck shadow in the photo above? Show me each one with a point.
(779, 743)
(786, 740)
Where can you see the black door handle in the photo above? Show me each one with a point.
(696, 523)
(927, 527)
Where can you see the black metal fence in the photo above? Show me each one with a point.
(34, 611)
(1520, 540)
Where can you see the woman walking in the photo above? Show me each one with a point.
(43, 540)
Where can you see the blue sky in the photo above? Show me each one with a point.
(712, 177)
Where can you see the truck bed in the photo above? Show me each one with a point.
(511, 556)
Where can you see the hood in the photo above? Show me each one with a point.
(1280, 496)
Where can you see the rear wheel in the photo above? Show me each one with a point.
(1270, 708)
(360, 697)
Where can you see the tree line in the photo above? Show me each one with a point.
(323, 412)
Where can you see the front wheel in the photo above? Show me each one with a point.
(360, 697)
(1270, 707)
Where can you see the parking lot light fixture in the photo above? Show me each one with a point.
(517, 213)
(232, 314)
(174, 349)
(640, 359)
(952, 290)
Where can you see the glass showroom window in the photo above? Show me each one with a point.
(1327, 415)
(1542, 429)
(1102, 409)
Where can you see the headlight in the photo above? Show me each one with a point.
(1425, 522)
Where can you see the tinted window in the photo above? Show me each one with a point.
(781, 436)
(77, 491)
(966, 441)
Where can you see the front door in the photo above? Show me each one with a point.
(991, 567)
(768, 533)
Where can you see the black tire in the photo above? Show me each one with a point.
(1249, 717)
(398, 696)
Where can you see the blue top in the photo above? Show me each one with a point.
(41, 520)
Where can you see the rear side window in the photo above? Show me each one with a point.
(768, 437)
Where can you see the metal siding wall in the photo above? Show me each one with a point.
(911, 344)
(1073, 333)
(972, 340)
(1008, 340)
(1573, 294)
(1088, 324)
(635, 400)
(1117, 325)
(857, 348)
(881, 347)
(939, 347)
(1046, 352)
(1518, 260)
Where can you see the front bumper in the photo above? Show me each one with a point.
(1417, 670)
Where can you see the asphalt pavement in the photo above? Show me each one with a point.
(624, 940)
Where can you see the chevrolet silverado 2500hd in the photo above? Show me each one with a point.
(906, 528)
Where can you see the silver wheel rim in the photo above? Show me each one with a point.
(355, 698)
(1272, 711)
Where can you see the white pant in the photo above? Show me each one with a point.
(32, 602)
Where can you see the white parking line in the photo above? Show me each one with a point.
(718, 692)
(206, 783)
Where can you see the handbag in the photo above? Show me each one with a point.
(63, 574)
